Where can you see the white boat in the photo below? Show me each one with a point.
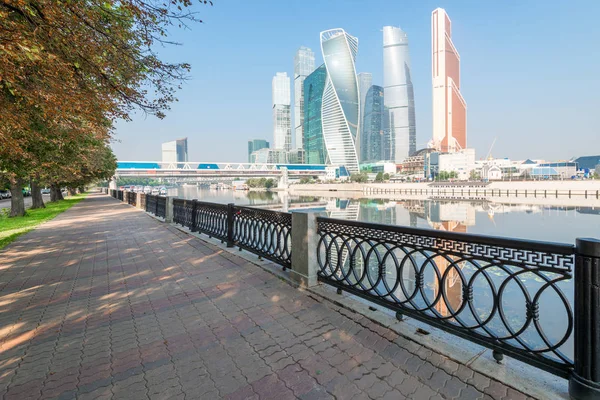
(147, 190)
(163, 191)
(155, 192)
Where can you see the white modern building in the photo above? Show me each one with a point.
(365, 81)
(340, 106)
(282, 119)
(461, 162)
(175, 151)
(304, 65)
(398, 94)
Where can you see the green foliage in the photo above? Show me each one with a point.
(260, 183)
(379, 177)
(11, 228)
(474, 175)
(138, 182)
(359, 178)
(445, 175)
(386, 177)
(306, 180)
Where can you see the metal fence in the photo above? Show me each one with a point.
(484, 289)
(120, 195)
(156, 205)
(142, 204)
(262, 232)
(132, 198)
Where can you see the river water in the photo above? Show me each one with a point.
(541, 221)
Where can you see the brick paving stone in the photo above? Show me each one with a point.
(105, 302)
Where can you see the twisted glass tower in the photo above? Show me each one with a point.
(340, 106)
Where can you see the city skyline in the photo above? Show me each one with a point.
(487, 50)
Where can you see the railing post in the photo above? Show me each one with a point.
(169, 209)
(230, 212)
(584, 382)
(304, 245)
(138, 199)
(156, 205)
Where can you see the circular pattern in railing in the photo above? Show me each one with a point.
(496, 299)
(264, 232)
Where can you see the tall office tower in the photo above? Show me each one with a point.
(255, 145)
(304, 65)
(372, 138)
(449, 107)
(314, 145)
(365, 81)
(175, 151)
(282, 123)
(340, 108)
(399, 94)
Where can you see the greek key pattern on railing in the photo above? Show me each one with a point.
(265, 233)
(460, 283)
(211, 219)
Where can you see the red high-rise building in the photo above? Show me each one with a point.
(449, 107)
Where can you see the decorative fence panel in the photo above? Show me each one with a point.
(150, 203)
(142, 204)
(161, 206)
(120, 195)
(265, 233)
(485, 289)
(210, 218)
(132, 198)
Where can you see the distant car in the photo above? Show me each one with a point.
(26, 192)
(45, 191)
(5, 194)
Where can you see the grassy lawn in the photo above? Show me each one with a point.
(11, 228)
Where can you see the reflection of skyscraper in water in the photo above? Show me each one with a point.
(343, 209)
(413, 220)
(450, 217)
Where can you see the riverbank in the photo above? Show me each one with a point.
(12, 228)
(464, 190)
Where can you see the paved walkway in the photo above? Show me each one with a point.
(105, 302)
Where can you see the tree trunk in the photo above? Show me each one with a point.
(55, 193)
(72, 191)
(81, 189)
(36, 195)
(17, 202)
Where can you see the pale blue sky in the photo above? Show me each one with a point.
(529, 72)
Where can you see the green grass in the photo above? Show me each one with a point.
(12, 228)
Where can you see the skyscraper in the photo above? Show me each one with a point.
(449, 107)
(340, 108)
(365, 80)
(399, 95)
(282, 124)
(304, 65)
(175, 151)
(314, 145)
(255, 145)
(372, 138)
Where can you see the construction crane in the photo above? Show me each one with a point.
(491, 147)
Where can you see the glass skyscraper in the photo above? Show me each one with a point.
(314, 145)
(340, 108)
(304, 65)
(372, 138)
(399, 94)
(175, 151)
(282, 123)
(255, 145)
(365, 80)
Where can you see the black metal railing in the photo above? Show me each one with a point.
(142, 204)
(132, 198)
(262, 232)
(120, 195)
(113, 193)
(265, 233)
(156, 205)
(485, 289)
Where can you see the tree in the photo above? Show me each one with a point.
(379, 177)
(269, 183)
(359, 178)
(474, 175)
(76, 67)
(386, 177)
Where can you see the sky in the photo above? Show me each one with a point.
(529, 72)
